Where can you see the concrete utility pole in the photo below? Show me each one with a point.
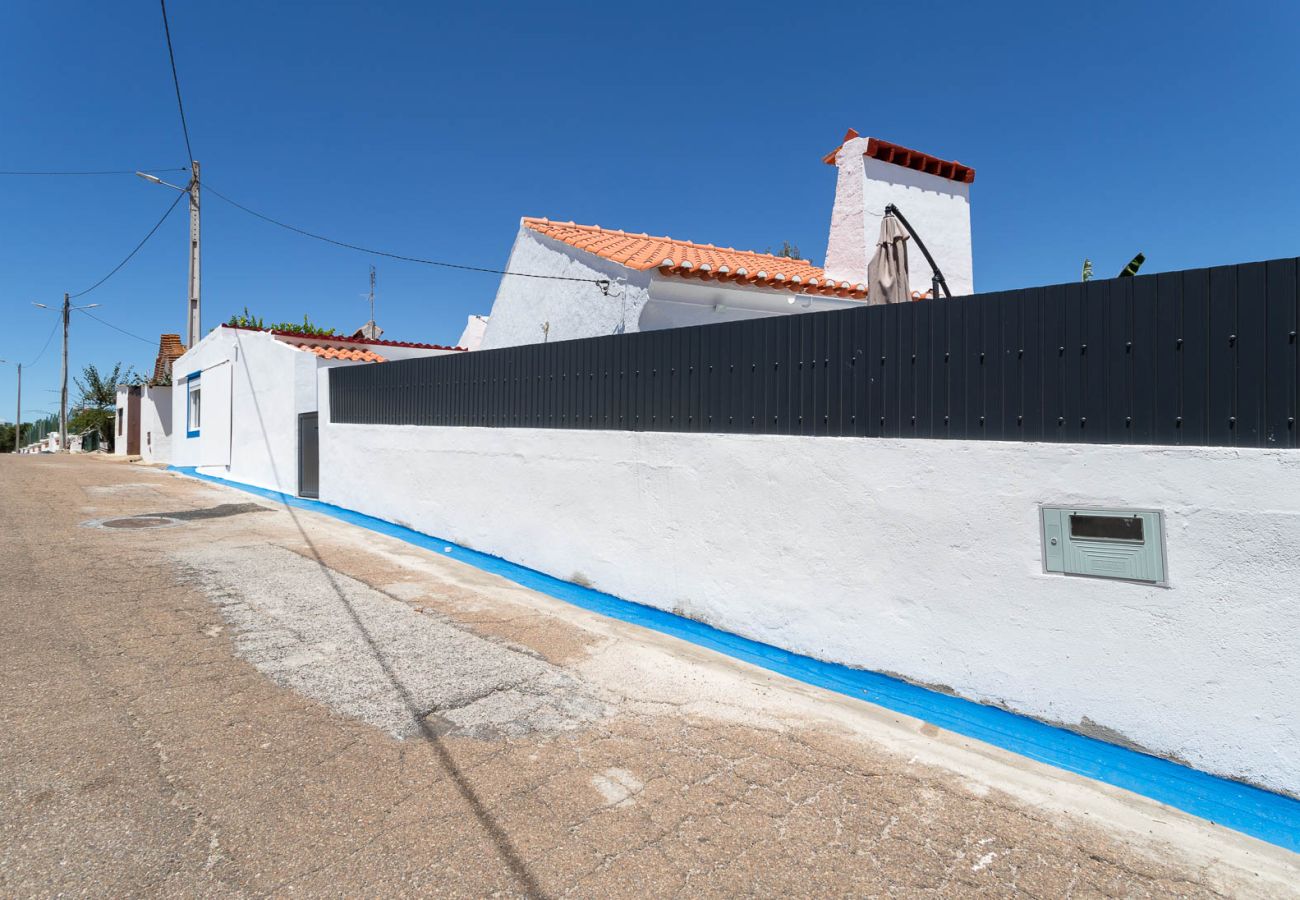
(63, 389)
(18, 420)
(193, 317)
(194, 329)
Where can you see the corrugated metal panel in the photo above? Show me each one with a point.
(1207, 356)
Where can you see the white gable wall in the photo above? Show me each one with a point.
(573, 309)
(156, 424)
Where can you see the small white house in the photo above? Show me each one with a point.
(240, 397)
(603, 281)
(144, 412)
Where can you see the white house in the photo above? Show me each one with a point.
(144, 412)
(603, 281)
(239, 397)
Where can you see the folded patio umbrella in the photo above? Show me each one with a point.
(887, 271)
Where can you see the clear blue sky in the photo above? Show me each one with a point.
(430, 128)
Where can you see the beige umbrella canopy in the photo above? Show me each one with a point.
(887, 271)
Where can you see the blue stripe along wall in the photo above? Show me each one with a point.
(1259, 813)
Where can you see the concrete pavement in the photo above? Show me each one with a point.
(259, 701)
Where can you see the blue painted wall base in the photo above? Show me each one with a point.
(1259, 813)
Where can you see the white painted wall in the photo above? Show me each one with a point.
(472, 337)
(122, 420)
(255, 388)
(156, 424)
(574, 309)
(919, 558)
(938, 208)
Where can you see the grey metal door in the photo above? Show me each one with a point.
(308, 455)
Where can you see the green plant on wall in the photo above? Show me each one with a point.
(248, 320)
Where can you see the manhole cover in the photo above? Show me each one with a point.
(141, 522)
(133, 522)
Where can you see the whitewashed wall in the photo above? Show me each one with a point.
(122, 420)
(573, 309)
(257, 420)
(255, 387)
(155, 424)
(918, 558)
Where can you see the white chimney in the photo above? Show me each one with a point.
(932, 194)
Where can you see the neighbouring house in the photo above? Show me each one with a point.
(652, 283)
(144, 412)
(244, 400)
(472, 337)
(126, 426)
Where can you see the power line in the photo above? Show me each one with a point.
(115, 328)
(127, 259)
(105, 172)
(602, 283)
(46, 345)
(176, 81)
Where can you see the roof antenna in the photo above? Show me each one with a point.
(370, 330)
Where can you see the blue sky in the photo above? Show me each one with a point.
(1096, 130)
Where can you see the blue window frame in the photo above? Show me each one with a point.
(193, 405)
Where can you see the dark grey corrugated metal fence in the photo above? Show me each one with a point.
(1201, 357)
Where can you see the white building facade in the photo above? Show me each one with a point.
(238, 395)
(585, 281)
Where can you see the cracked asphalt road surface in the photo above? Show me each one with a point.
(261, 701)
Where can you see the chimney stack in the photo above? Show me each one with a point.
(934, 195)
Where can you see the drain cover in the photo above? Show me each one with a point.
(141, 522)
(133, 523)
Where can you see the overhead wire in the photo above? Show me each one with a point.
(102, 172)
(185, 129)
(127, 259)
(115, 328)
(602, 283)
(46, 345)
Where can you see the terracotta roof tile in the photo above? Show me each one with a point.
(349, 353)
(335, 338)
(687, 259)
(911, 159)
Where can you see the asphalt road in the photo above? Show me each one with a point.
(259, 701)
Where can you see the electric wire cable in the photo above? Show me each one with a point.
(115, 328)
(185, 129)
(127, 259)
(101, 172)
(46, 345)
(602, 283)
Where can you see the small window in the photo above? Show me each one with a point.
(120, 416)
(193, 407)
(1106, 528)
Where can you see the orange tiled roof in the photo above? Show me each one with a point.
(704, 261)
(910, 159)
(170, 349)
(352, 354)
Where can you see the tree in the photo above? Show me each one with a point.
(96, 406)
(788, 251)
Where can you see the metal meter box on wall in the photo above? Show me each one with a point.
(1127, 544)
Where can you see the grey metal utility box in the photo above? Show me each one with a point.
(1128, 544)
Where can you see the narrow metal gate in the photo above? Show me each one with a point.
(308, 455)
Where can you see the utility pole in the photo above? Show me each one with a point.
(18, 419)
(63, 390)
(193, 318)
(194, 329)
